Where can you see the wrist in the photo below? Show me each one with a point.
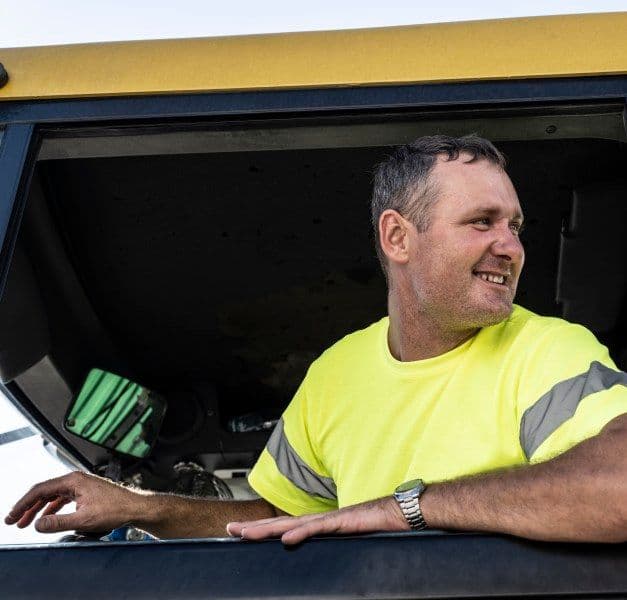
(145, 509)
(430, 503)
(408, 498)
(397, 519)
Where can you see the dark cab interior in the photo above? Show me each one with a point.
(214, 261)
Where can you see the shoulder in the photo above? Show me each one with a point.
(532, 329)
(551, 343)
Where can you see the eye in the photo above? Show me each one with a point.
(517, 228)
(482, 222)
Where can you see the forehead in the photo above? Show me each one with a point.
(464, 186)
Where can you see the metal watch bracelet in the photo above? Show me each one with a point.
(413, 514)
(408, 497)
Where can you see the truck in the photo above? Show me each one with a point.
(192, 215)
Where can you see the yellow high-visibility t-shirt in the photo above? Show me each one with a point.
(363, 422)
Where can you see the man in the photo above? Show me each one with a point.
(515, 422)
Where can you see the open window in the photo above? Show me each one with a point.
(214, 260)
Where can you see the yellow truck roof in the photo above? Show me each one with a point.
(556, 46)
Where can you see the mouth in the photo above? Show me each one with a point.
(498, 279)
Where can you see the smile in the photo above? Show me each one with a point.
(500, 279)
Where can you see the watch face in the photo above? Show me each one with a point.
(409, 485)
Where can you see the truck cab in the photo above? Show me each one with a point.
(203, 229)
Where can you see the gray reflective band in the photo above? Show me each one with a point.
(560, 403)
(296, 469)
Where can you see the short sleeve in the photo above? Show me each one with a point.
(289, 473)
(569, 390)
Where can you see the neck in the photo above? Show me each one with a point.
(416, 335)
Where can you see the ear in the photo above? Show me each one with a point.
(394, 236)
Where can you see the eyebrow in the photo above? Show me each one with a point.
(488, 210)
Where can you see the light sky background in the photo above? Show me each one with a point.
(43, 22)
(22, 464)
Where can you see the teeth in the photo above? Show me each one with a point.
(492, 278)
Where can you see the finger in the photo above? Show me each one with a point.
(234, 528)
(276, 529)
(55, 506)
(323, 526)
(28, 516)
(59, 486)
(56, 523)
(362, 518)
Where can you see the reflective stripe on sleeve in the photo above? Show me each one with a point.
(559, 404)
(296, 469)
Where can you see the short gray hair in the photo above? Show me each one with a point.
(402, 182)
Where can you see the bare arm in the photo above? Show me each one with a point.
(580, 495)
(102, 506)
(169, 516)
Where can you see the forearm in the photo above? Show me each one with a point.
(170, 516)
(580, 495)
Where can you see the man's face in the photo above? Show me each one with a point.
(464, 269)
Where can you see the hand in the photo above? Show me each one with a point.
(101, 505)
(383, 514)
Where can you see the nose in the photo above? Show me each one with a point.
(507, 245)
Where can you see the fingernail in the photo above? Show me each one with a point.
(242, 533)
(228, 529)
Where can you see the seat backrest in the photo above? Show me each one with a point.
(592, 271)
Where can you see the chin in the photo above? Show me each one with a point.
(487, 315)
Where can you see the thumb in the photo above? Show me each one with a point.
(55, 523)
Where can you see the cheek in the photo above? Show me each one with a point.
(463, 252)
(522, 258)
(475, 239)
(448, 258)
(475, 247)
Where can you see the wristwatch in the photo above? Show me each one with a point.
(408, 497)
